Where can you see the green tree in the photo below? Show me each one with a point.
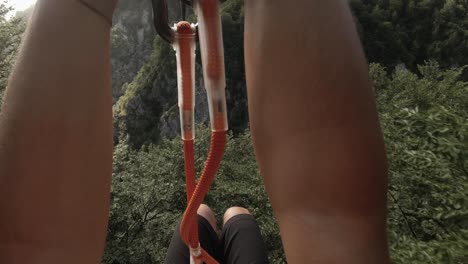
(148, 196)
(151, 93)
(412, 31)
(10, 37)
(425, 123)
(449, 42)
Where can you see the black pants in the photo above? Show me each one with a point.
(240, 242)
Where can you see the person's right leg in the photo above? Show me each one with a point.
(241, 238)
(178, 252)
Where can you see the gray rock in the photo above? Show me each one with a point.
(132, 42)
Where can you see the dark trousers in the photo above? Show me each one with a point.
(240, 242)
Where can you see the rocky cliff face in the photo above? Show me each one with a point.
(147, 110)
(132, 40)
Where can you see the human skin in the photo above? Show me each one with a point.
(316, 131)
(313, 118)
(56, 138)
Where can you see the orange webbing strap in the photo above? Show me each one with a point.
(185, 50)
(189, 225)
(183, 28)
(212, 53)
(214, 66)
(190, 186)
(210, 14)
(185, 58)
(189, 167)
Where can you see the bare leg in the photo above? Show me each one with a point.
(315, 129)
(233, 211)
(241, 238)
(208, 214)
(56, 139)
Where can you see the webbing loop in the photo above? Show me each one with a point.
(182, 37)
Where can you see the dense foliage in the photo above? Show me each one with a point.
(426, 131)
(425, 123)
(148, 196)
(412, 31)
(147, 97)
(10, 37)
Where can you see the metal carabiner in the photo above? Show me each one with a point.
(161, 18)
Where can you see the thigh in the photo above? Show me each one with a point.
(242, 241)
(178, 252)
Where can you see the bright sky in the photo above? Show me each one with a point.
(20, 5)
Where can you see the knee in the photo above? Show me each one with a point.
(233, 211)
(206, 212)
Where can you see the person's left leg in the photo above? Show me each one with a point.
(178, 252)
